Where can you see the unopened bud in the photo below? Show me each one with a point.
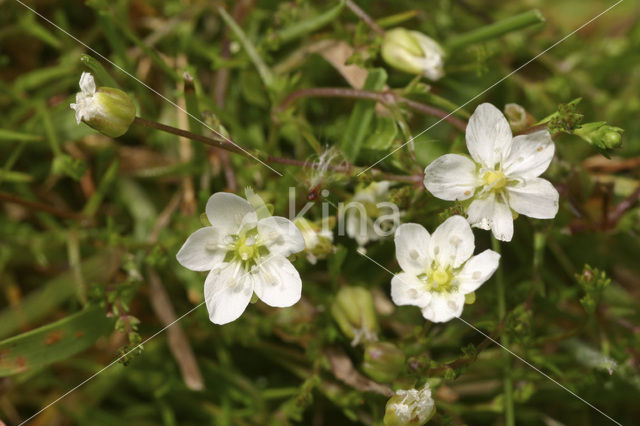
(410, 407)
(383, 361)
(106, 109)
(413, 52)
(318, 238)
(354, 312)
(601, 135)
(518, 117)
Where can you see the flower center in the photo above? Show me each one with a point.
(437, 279)
(495, 180)
(441, 277)
(246, 249)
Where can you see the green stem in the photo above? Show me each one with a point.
(509, 418)
(496, 30)
(265, 72)
(49, 129)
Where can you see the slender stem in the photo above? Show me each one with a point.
(215, 141)
(496, 30)
(9, 198)
(622, 207)
(365, 17)
(388, 98)
(218, 142)
(502, 309)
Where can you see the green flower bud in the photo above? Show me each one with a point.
(106, 109)
(601, 135)
(318, 238)
(413, 52)
(354, 312)
(410, 407)
(383, 361)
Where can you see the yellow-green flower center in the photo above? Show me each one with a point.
(437, 279)
(495, 180)
(441, 277)
(246, 248)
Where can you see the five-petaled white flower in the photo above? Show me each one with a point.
(502, 176)
(439, 270)
(246, 251)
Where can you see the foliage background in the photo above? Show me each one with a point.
(122, 209)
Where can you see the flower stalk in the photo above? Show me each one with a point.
(387, 98)
(219, 142)
(502, 309)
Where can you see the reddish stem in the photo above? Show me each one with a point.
(388, 98)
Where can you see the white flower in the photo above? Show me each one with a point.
(410, 407)
(439, 270)
(364, 213)
(413, 52)
(106, 109)
(245, 254)
(501, 176)
(86, 106)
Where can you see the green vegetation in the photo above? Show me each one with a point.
(275, 95)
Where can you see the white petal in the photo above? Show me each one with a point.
(444, 307)
(488, 135)
(530, 155)
(412, 243)
(360, 227)
(228, 212)
(535, 198)
(202, 251)
(407, 289)
(492, 213)
(477, 271)
(227, 292)
(277, 282)
(451, 177)
(87, 84)
(280, 235)
(452, 242)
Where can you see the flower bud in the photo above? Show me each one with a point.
(318, 238)
(410, 407)
(518, 117)
(383, 361)
(601, 135)
(413, 52)
(354, 312)
(106, 109)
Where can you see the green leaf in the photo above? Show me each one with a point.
(102, 76)
(263, 69)
(383, 134)
(360, 120)
(335, 261)
(40, 302)
(75, 168)
(10, 135)
(53, 342)
(11, 176)
(309, 25)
